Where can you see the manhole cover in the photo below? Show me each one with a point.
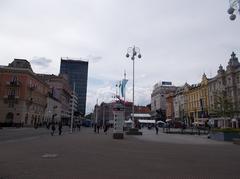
(49, 155)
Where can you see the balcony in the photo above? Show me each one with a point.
(29, 101)
(32, 87)
(14, 83)
(10, 99)
(13, 97)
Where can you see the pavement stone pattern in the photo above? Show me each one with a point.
(195, 139)
(85, 154)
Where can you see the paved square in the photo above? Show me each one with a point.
(85, 154)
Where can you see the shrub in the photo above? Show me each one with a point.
(227, 130)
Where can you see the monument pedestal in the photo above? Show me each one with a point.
(133, 131)
(118, 113)
(117, 135)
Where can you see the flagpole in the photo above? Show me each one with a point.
(73, 95)
(124, 97)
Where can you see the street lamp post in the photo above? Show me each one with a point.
(104, 122)
(133, 52)
(234, 7)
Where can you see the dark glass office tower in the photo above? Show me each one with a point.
(77, 72)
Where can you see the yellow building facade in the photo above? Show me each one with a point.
(197, 102)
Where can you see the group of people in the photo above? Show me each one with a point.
(97, 128)
(54, 128)
(59, 125)
(76, 125)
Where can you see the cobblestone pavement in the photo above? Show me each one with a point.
(16, 134)
(85, 154)
(150, 135)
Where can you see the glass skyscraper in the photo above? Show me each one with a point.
(77, 72)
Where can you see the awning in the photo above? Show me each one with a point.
(146, 121)
(142, 115)
(198, 123)
(128, 121)
(234, 120)
(167, 120)
(160, 122)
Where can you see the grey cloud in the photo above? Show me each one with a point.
(41, 61)
(94, 59)
(178, 43)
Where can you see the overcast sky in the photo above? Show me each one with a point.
(179, 40)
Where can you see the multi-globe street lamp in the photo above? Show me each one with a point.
(133, 52)
(233, 9)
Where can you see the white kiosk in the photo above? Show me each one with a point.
(118, 120)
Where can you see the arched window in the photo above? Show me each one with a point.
(32, 119)
(14, 78)
(26, 118)
(9, 117)
(38, 119)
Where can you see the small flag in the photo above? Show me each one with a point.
(123, 85)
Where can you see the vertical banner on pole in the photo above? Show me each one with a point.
(118, 113)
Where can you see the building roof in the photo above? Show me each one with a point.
(73, 60)
(21, 66)
(20, 63)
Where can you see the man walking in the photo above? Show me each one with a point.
(156, 127)
(60, 128)
(105, 128)
(98, 127)
(95, 127)
(53, 128)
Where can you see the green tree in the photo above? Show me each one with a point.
(89, 116)
(223, 105)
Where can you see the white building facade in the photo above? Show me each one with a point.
(158, 96)
(226, 84)
(178, 104)
(53, 110)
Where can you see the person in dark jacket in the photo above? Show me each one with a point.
(156, 128)
(53, 128)
(98, 127)
(106, 126)
(95, 127)
(60, 128)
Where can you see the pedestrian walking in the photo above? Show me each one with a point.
(79, 126)
(53, 128)
(98, 127)
(59, 128)
(106, 128)
(36, 125)
(156, 128)
(95, 127)
(48, 125)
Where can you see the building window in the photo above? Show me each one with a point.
(9, 117)
(11, 104)
(229, 81)
(14, 78)
(26, 119)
